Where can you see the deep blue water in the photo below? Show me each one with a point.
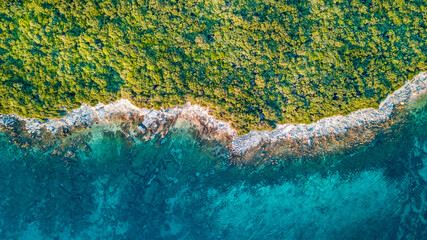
(107, 187)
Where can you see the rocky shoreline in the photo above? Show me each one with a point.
(158, 122)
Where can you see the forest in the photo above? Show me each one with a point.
(254, 63)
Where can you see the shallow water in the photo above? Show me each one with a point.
(106, 186)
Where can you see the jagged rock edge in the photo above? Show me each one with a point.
(239, 145)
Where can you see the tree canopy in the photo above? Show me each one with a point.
(253, 62)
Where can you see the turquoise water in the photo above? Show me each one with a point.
(99, 184)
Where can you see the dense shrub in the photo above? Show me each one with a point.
(253, 62)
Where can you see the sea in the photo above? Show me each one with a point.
(98, 183)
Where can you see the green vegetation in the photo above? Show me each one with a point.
(253, 62)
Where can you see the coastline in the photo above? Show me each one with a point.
(157, 122)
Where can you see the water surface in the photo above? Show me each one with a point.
(99, 184)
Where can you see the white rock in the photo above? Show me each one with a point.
(240, 144)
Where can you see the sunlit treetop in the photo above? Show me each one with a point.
(253, 62)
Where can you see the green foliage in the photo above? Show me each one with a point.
(253, 62)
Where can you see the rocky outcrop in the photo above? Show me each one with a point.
(336, 124)
(152, 122)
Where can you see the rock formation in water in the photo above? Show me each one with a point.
(343, 131)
